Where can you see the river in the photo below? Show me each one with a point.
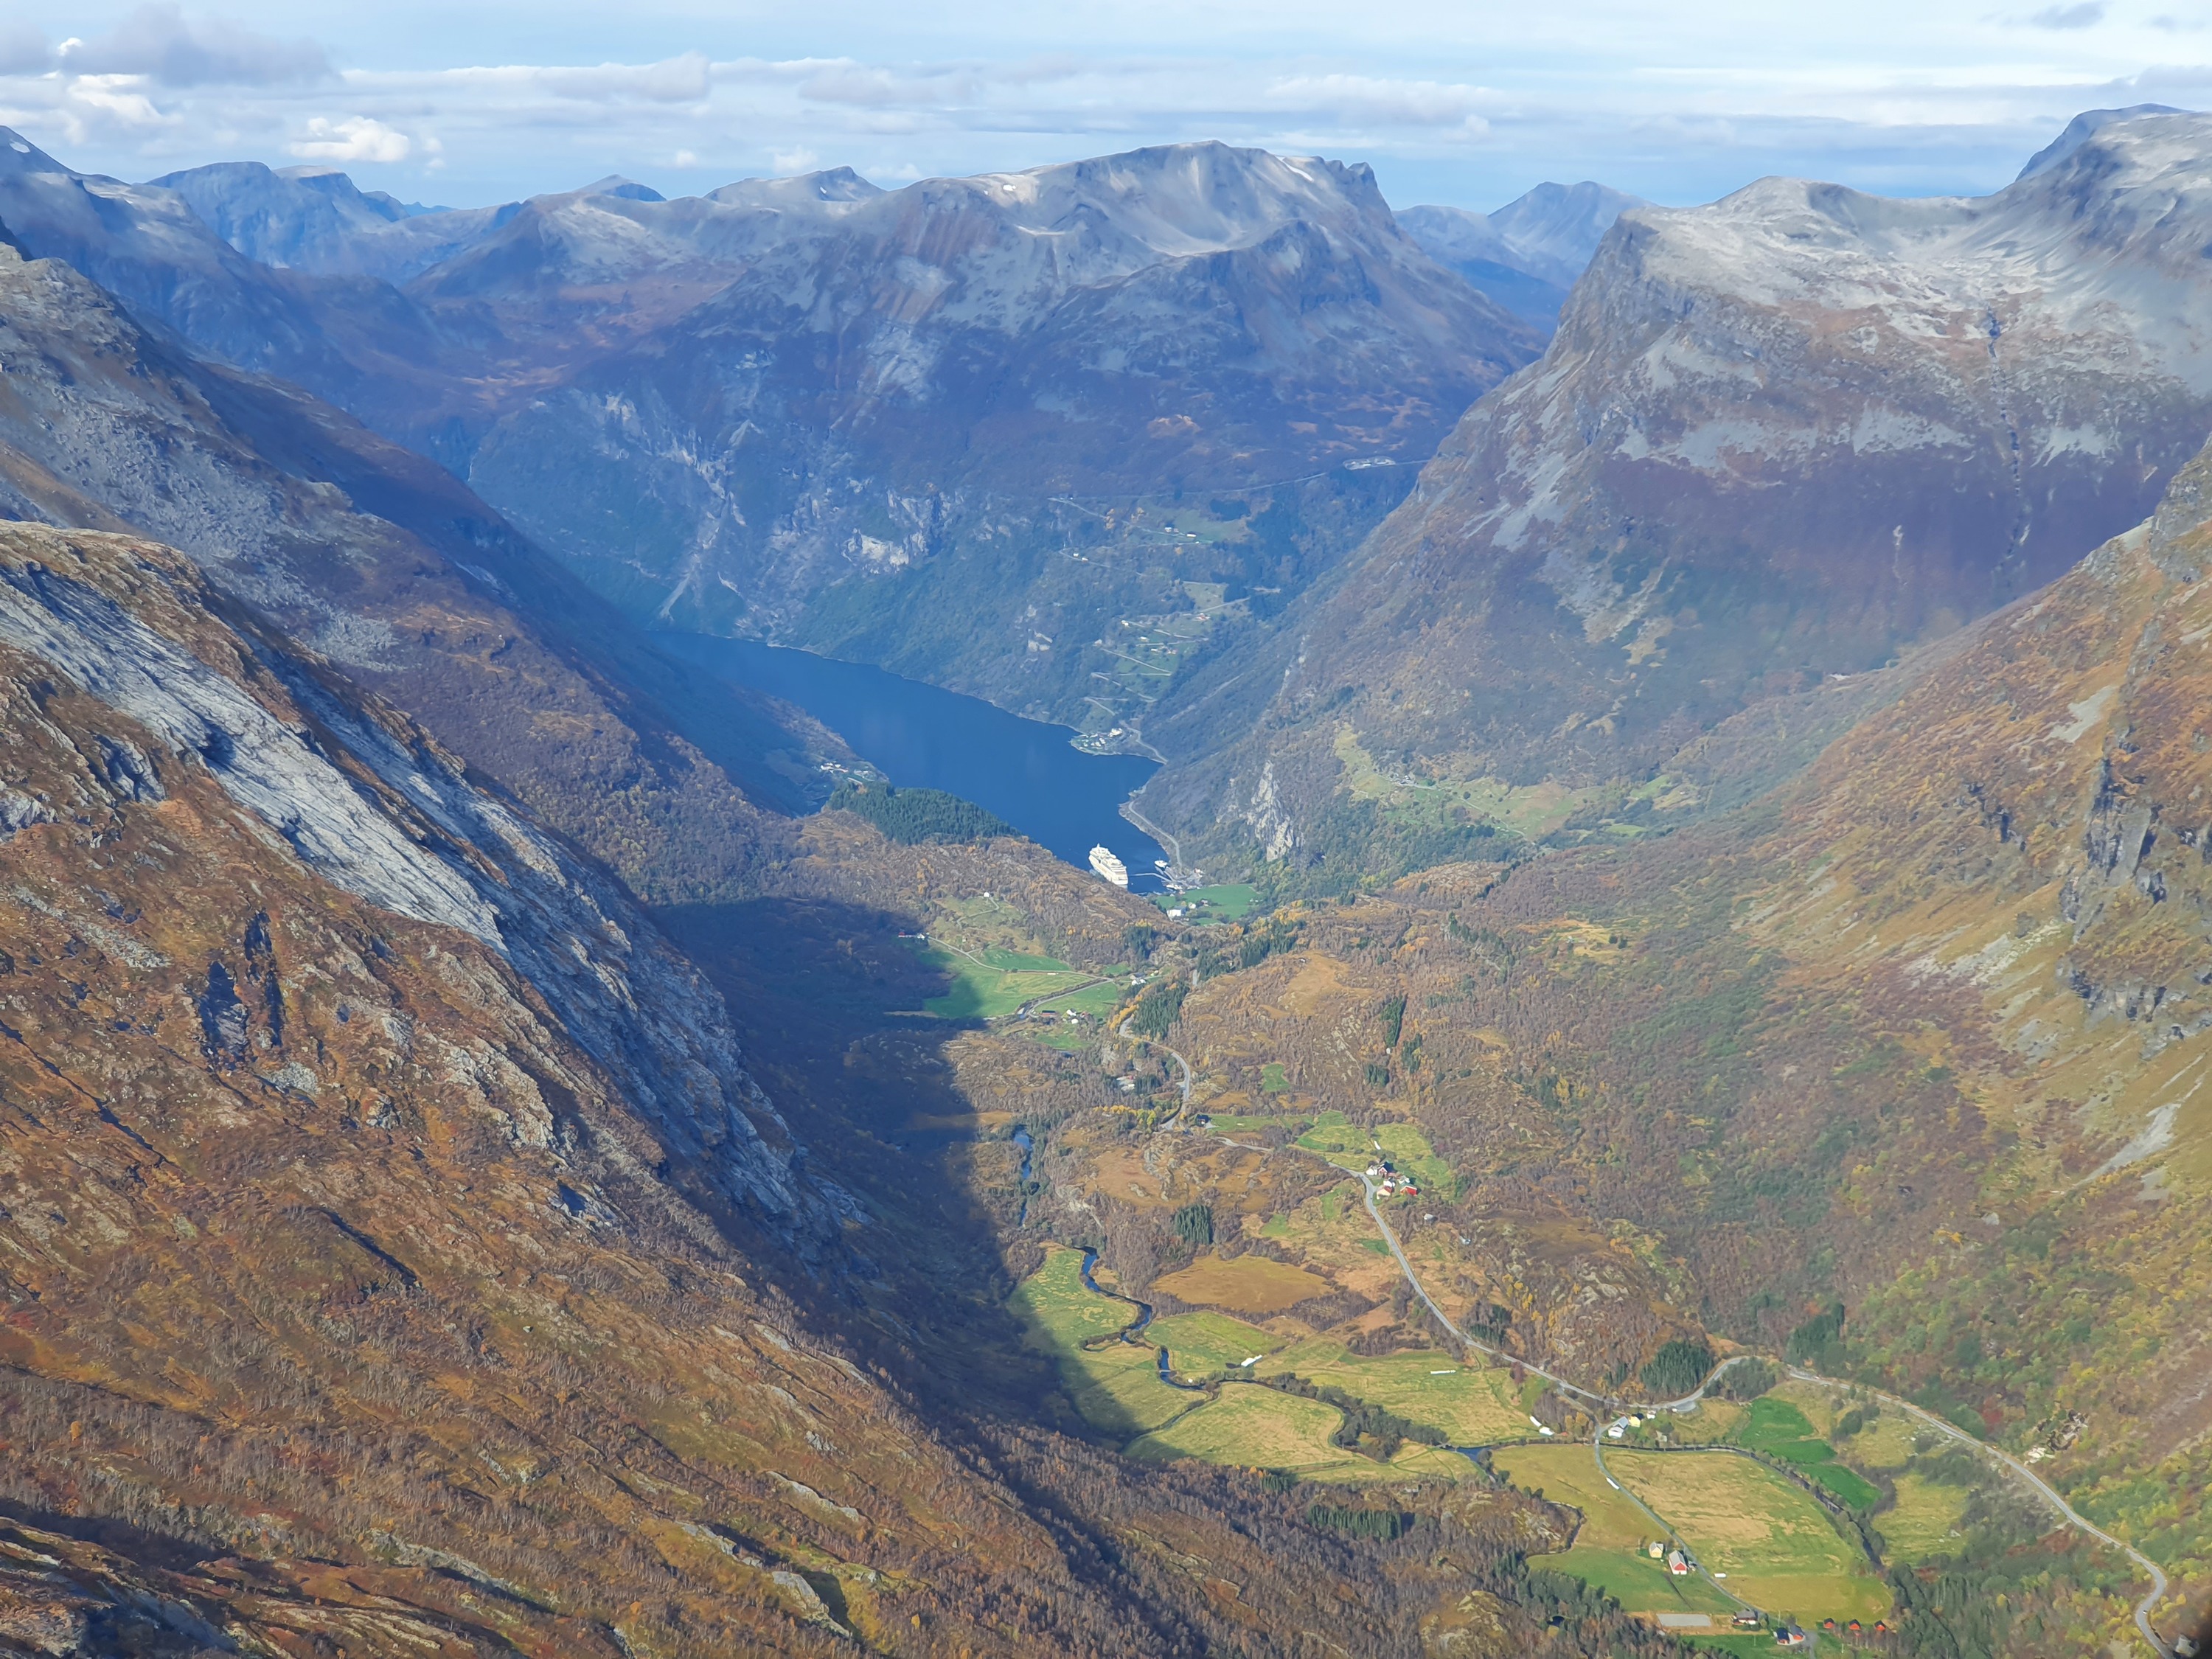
(922, 736)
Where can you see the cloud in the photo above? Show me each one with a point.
(2088, 14)
(24, 50)
(159, 43)
(682, 80)
(789, 161)
(359, 138)
(1369, 98)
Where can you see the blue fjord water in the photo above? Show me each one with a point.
(922, 736)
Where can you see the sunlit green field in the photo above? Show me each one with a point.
(1206, 1345)
(1117, 1387)
(1471, 1406)
(1259, 1428)
(1230, 901)
(1778, 1548)
(994, 983)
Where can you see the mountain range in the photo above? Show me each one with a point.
(1776, 441)
(487, 1166)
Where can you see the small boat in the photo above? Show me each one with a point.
(1104, 861)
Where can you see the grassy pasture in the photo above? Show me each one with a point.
(1117, 1387)
(1096, 1000)
(1340, 1142)
(1472, 1406)
(1203, 1344)
(984, 988)
(1258, 1428)
(1608, 1547)
(1230, 901)
(1245, 1123)
(1248, 1285)
(1918, 1528)
(1275, 1078)
(1063, 1313)
(1779, 1428)
(1779, 1551)
(1408, 1149)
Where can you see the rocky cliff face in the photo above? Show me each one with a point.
(1777, 438)
(366, 802)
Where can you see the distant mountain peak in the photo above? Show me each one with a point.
(628, 188)
(1527, 254)
(2081, 128)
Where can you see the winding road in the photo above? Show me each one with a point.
(2043, 1488)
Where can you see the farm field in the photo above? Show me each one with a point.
(1274, 1078)
(1062, 1312)
(1259, 1428)
(1206, 1345)
(1608, 1548)
(1248, 1285)
(1780, 1428)
(1340, 1142)
(1779, 1551)
(1245, 1123)
(1472, 1406)
(997, 980)
(1117, 1387)
(1919, 1527)
(1408, 1149)
(1230, 901)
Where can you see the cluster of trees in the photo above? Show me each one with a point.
(1814, 1343)
(910, 817)
(1194, 1224)
(1157, 1006)
(1747, 1379)
(1677, 1369)
(1360, 1523)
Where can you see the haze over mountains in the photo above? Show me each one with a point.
(485, 1165)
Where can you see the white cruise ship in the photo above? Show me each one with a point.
(1108, 865)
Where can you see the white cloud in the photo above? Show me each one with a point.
(1370, 99)
(358, 138)
(1448, 105)
(159, 42)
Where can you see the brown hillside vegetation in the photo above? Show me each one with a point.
(1920, 1033)
(358, 1302)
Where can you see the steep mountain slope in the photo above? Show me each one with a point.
(389, 1220)
(385, 564)
(1776, 438)
(355, 341)
(1528, 255)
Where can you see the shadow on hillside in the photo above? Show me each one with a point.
(828, 1001)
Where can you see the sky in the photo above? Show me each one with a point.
(1467, 102)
